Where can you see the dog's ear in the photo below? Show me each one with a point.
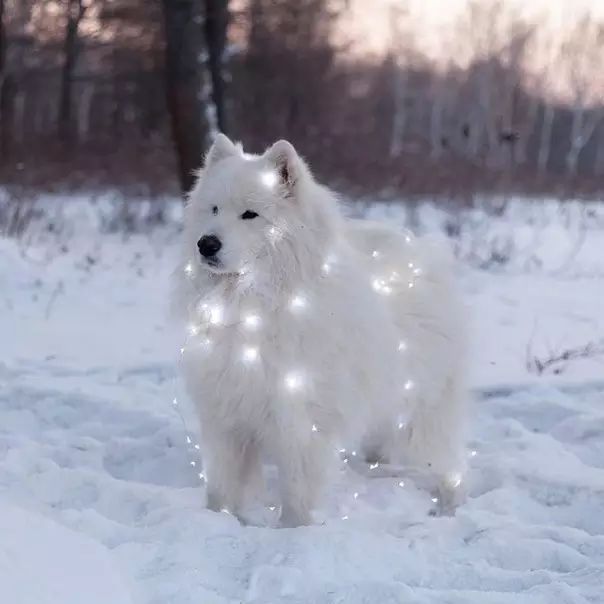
(222, 148)
(288, 163)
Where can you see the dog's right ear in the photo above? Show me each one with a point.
(222, 148)
(289, 165)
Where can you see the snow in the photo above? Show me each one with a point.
(34, 569)
(95, 471)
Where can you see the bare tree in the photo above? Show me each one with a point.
(3, 115)
(599, 163)
(75, 13)
(545, 140)
(583, 55)
(402, 49)
(184, 86)
(216, 25)
(2, 42)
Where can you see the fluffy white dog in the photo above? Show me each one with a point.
(310, 333)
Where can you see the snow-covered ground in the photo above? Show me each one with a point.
(97, 490)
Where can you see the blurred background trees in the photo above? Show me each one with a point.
(128, 93)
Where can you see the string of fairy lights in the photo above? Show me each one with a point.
(210, 316)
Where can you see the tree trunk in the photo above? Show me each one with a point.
(2, 43)
(184, 86)
(3, 109)
(215, 25)
(599, 162)
(436, 125)
(525, 132)
(400, 112)
(584, 125)
(545, 141)
(75, 12)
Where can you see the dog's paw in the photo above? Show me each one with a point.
(447, 499)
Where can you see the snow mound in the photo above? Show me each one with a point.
(42, 562)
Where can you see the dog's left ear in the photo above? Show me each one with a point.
(289, 165)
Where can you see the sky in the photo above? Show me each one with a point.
(369, 21)
(432, 27)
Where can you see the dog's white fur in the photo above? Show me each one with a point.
(313, 332)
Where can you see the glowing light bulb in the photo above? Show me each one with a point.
(402, 346)
(314, 428)
(345, 517)
(473, 453)
(409, 384)
(401, 484)
(410, 265)
(407, 238)
(250, 354)
(175, 402)
(189, 441)
(251, 321)
(193, 463)
(354, 453)
(326, 268)
(297, 303)
(182, 351)
(373, 466)
(356, 495)
(454, 480)
(375, 254)
(188, 269)
(216, 314)
(202, 476)
(269, 179)
(411, 285)
(293, 381)
(434, 499)
(417, 271)
(400, 425)
(197, 447)
(380, 286)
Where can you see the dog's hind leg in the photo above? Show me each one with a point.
(434, 443)
(303, 467)
(231, 464)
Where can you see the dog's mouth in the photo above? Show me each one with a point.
(216, 268)
(212, 262)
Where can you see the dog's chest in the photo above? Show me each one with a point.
(314, 344)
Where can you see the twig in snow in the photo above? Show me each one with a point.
(556, 362)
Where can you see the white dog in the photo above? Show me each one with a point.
(309, 333)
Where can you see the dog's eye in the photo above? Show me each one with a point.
(214, 210)
(248, 215)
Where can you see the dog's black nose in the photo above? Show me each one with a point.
(209, 245)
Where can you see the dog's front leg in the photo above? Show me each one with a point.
(304, 463)
(230, 461)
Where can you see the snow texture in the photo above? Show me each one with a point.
(43, 562)
(97, 490)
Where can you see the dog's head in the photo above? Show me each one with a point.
(249, 211)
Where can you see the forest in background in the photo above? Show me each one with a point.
(128, 93)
